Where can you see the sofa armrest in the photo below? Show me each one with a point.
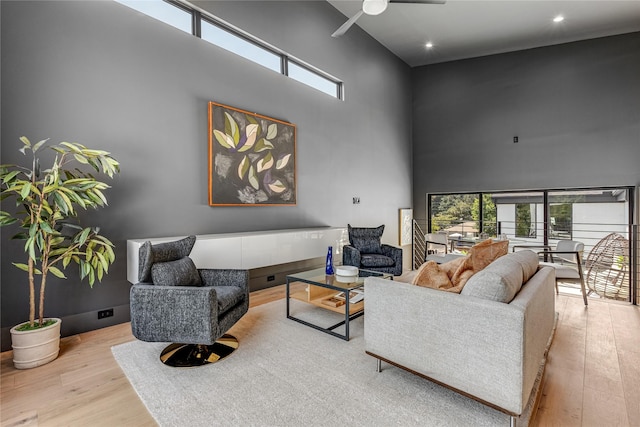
(574, 259)
(392, 252)
(226, 277)
(182, 314)
(351, 256)
(537, 301)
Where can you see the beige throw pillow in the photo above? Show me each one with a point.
(431, 275)
(453, 275)
(484, 253)
(449, 276)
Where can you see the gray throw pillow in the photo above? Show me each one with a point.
(366, 240)
(149, 254)
(499, 281)
(182, 272)
(529, 262)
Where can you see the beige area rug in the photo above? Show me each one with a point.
(287, 374)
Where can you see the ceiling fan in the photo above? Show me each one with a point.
(376, 7)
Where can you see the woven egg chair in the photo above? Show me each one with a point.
(608, 268)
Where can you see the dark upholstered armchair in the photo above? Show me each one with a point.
(365, 251)
(176, 302)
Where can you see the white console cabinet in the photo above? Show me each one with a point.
(251, 249)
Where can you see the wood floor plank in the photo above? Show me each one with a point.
(35, 391)
(562, 393)
(626, 328)
(96, 405)
(25, 419)
(561, 307)
(602, 409)
(266, 295)
(602, 370)
(558, 405)
(575, 312)
(604, 402)
(84, 385)
(630, 372)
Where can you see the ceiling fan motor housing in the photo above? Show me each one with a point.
(374, 7)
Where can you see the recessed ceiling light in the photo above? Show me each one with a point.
(558, 18)
(429, 45)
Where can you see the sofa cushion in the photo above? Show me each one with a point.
(366, 240)
(376, 260)
(149, 254)
(501, 280)
(182, 272)
(529, 262)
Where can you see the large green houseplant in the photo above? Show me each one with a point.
(47, 203)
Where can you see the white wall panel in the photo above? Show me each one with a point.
(247, 250)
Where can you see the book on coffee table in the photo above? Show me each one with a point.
(356, 295)
(333, 302)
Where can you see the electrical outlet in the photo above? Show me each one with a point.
(356, 200)
(515, 139)
(105, 313)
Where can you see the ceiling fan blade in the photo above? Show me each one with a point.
(419, 1)
(344, 27)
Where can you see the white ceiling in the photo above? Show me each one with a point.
(469, 28)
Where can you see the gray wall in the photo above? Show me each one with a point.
(106, 76)
(575, 108)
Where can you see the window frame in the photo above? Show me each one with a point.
(315, 72)
(241, 38)
(172, 3)
(198, 15)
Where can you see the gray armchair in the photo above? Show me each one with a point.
(365, 251)
(193, 308)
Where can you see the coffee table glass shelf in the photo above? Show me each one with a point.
(325, 291)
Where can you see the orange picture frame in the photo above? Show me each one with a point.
(252, 159)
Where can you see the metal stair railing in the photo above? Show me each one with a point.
(419, 250)
(635, 264)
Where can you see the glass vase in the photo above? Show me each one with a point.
(329, 265)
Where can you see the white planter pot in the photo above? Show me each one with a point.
(37, 347)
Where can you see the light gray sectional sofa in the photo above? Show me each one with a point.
(488, 342)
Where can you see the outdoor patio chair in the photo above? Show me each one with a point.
(566, 259)
(437, 243)
(607, 268)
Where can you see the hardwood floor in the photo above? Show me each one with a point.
(592, 377)
(593, 373)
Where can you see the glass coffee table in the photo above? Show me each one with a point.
(325, 291)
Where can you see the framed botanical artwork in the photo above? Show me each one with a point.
(406, 226)
(252, 159)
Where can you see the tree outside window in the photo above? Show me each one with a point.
(526, 220)
(560, 220)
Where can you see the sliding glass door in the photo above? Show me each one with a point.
(600, 218)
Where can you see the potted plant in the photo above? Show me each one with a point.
(47, 202)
